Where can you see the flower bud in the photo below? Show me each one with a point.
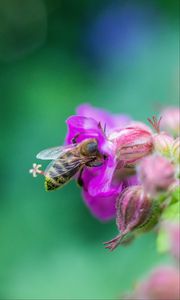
(156, 173)
(162, 284)
(176, 150)
(132, 143)
(136, 212)
(171, 120)
(162, 143)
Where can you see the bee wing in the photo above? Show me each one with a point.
(54, 153)
(60, 167)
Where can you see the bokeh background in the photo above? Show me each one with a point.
(54, 55)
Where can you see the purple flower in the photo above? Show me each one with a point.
(100, 184)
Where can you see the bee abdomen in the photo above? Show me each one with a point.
(57, 176)
(54, 183)
(50, 184)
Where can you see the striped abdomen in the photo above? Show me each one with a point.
(60, 172)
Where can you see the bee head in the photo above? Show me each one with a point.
(90, 147)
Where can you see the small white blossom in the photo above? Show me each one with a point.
(35, 170)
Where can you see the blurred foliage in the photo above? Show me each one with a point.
(54, 55)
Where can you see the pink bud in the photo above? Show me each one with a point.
(134, 211)
(156, 174)
(162, 143)
(176, 150)
(132, 208)
(132, 143)
(171, 120)
(162, 284)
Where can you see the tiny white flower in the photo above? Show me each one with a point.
(35, 170)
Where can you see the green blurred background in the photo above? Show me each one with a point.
(55, 55)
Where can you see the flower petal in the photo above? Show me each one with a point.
(107, 120)
(102, 207)
(78, 125)
(101, 183)
(81, 122)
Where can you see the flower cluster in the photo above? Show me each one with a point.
(140, 208)
(132, 171)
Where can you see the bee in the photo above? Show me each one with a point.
(69, 160)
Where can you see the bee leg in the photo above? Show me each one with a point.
(79, 180)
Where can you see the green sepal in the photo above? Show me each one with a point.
(163, 241)
(161, 198)
(172, 212)
(152, 220)
(175, 196)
